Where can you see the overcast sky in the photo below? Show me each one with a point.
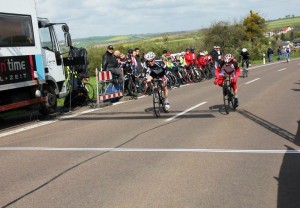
(87, 18)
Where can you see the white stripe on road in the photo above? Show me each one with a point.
(282, 69)
(147, 150)
(252, 81)
(44, 123)
(184, 112)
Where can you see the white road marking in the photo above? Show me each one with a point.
(262, 151)
(282, 69)
(179, 114)
(252, 81)
(44, 123)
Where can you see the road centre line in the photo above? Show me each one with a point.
(282, 69)
(252, 81)
(263, 151)
(184, 112)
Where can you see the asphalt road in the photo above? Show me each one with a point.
(194, 156)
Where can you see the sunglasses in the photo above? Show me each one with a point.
(152, 60)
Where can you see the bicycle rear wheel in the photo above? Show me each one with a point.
(132, 89)
(156, 103)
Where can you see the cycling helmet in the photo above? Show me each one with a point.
(244, 49)
(228, 58)
(201, 53)
(149, 56)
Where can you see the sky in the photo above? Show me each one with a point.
(88, 18)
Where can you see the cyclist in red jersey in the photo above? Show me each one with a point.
(201, 60)
(228, 66)
(188, 58)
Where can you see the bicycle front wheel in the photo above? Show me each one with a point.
(225, 98)
(156, 103)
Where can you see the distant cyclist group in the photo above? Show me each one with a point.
(174, 69)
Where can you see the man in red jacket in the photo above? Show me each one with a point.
(188, 58)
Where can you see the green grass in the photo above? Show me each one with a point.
(92, 81)
(277, 24)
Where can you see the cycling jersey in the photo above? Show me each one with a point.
(157, 70)
(224, 70)
(245, 55)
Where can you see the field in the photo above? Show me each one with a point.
(276, 24)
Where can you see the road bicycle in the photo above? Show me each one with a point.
(245, 68)
(131, 86)
(207, 70)
(228, 94)
(80, 91)
(158, 97)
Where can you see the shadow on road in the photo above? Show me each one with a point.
(148, 114)
(272, 127)
(289, 181)
(289, 176)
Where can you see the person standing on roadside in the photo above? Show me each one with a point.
(270, 54)
(138, 60)
(216, 55)
(110, 63)
(279, 53)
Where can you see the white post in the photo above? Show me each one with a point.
(97, 88)
(264, 58)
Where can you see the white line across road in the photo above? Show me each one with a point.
(184, 112)
(148, 150)
(252, 81)
(282, 69)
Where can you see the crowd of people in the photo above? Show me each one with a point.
(153, 65)
(282, 53)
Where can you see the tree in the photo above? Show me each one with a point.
(282, 37)
(254, 26)
(228, 37)
(292, 35)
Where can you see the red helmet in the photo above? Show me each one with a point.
(228, 58)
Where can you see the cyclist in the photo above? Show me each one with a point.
(157, 70)
(245, 57)
(201, 60)
(228, 66)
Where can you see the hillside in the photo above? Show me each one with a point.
(172, 36)
(279, 23)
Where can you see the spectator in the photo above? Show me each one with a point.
(216, 55)
(279, 53)
(194, 55)
(287, 53)
(201, 60)
(188, 58)
(110, 63)
(270, 54)
(117, 54)
(134, 61)
(138, 60)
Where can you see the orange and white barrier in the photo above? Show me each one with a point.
(105, 88)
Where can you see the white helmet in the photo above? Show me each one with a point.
(244, 49)
(149, 56)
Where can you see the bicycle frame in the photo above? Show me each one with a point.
(228, 94)
(158, 98)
